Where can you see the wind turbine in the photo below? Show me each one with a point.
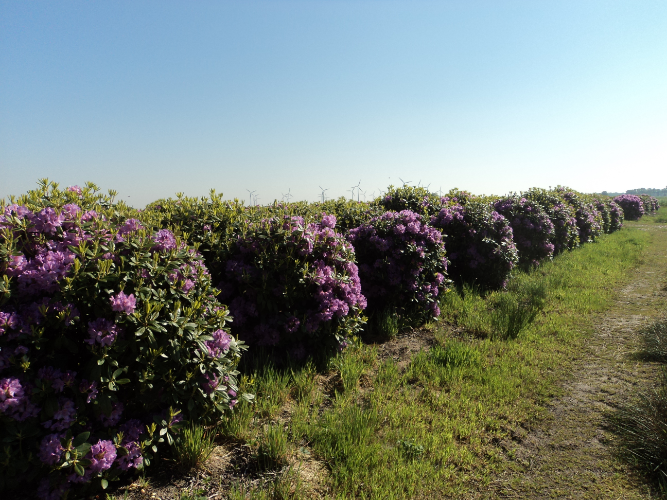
(251, 193)
(323, 191)
(357, 188)
(405, 183)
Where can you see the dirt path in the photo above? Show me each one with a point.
(571, 454)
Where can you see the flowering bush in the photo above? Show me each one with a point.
(109, 336)
(632, 205)
(589, 220)
(415, 199)
(402, 264)
(532, 229)
(615, 216)
(480, 244)
(562, 216)
(650, 203)
(611, 213)
(291, 284)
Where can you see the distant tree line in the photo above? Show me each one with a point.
(650, 191)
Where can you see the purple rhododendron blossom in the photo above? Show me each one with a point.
(130, 226)
(123, 303)
(64, 417)
(74, 189)
(132, 430)
(8, 321)
(133, 459)
(14, 400)
(102, 455)
(164, 240)
(50, 450)
(210, 384)
(47, 221)
(11, 394)
(220, 343)
(328, 221)
(102, 331)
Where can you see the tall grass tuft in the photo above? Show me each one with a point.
(272, 451)
(642, 427)
(193, 446)
(517, 308)
(655, 341)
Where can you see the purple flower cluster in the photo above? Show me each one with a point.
(50, 449)
(102, 455)
(287, 280)
(220, 343)
(402, 263)
(64, 416)
(532, 229)
(102, 332)
(164, 240)
(480, 243)
(632, 205)
(15, 400)
(123, 303)
(187, 275)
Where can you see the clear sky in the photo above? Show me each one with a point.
(156, 97)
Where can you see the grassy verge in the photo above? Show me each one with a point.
(429, 426)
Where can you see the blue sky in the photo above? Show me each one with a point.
(154, 98)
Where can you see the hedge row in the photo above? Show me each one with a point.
(113, 324)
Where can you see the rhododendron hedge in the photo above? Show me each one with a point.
(402, 265)
(532, 229)
(561, 214)
(651, 204)
(479, 242)
(632, 205)
(290, 284)
(589, 220)
(611, 213)
(109, 336)
(416, 199)
(290, 280)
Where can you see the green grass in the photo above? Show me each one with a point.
(193, 446)
(430, 429)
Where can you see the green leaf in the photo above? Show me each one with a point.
(83, 449)
(79, 470)
(117, 372)
(122, 381)
(80, 439)
(104, 483)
